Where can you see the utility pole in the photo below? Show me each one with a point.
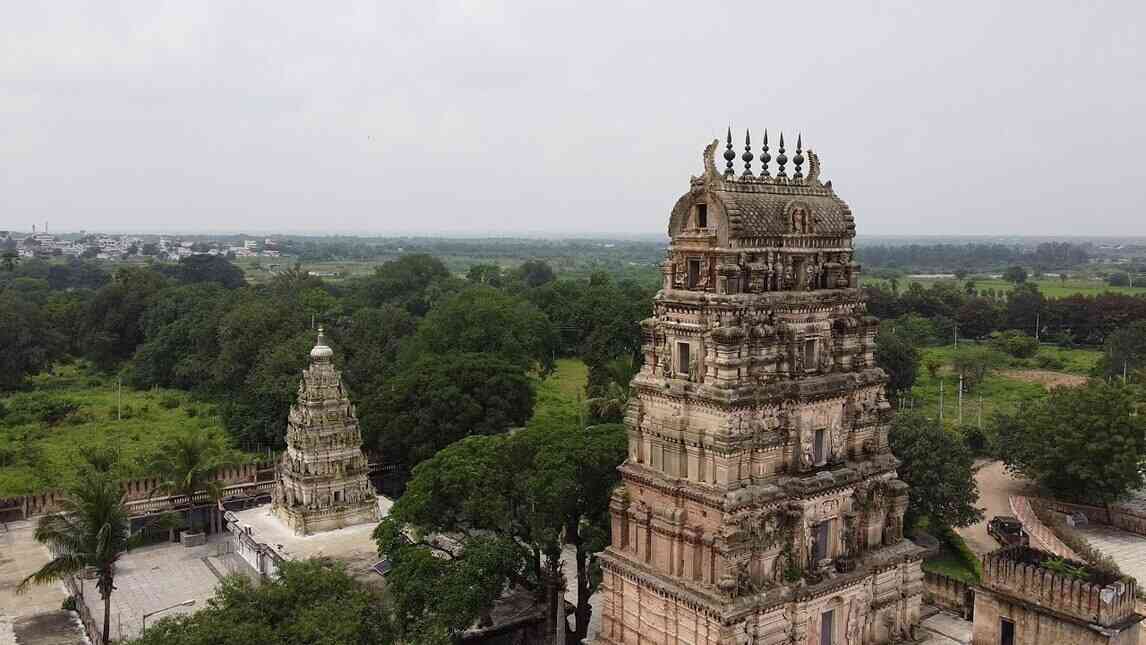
(941, 401)
(119, 398)
(956, 328)
(1036, 328)
(980, 411)
(960, 398)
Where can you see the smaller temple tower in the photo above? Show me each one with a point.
(321, 480)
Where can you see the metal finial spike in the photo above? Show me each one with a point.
(764, 156)
(747, 156)
(798, 160)
(781, 158)
(729, 155)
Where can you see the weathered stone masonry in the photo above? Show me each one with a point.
(321, 483)
(759, 501)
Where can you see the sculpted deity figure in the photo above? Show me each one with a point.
(858, 617)
(666, 365)
(807, 450)
(694, 370)
(838, 438)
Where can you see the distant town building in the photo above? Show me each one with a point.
(759, 501)
(321, 481)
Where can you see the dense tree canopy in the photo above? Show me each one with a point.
(897, 356)
(937, 466)
(1084, 443)
(312, 602)
(438, 399)
(512, 498)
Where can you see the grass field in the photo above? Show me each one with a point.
(1050, 287)
(996, 392)
(37, 454)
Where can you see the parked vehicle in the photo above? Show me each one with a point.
(1008, 530)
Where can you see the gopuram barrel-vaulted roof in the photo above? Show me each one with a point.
(777, 201)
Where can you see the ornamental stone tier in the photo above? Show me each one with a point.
(759, 501)
(321, 481)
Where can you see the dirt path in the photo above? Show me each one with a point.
(995, 490)
(1046, 378)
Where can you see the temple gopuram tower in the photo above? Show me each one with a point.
(321, 482)
(759, 501)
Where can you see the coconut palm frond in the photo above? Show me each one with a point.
(54, 570)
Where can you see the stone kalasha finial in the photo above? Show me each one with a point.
(781, 159)
(798, 160)
(321, 351)
(747, 156)
(764, 156)
(729, 155)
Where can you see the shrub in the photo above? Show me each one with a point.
(169, 402)
(51, 410)
(1014, 343)
(1048, 362)
(191, 411)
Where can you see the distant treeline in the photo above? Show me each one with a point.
(429, 356)
(973, 256)
(1070, 320)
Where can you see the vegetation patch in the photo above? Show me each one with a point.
(68, 411)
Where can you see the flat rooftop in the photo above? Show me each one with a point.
(351, 545)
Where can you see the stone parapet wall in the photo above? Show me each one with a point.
(1015, 572)
(137, 490)
(1125, 517)
(1040, 533)
(946, 592)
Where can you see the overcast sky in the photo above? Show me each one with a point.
(510, 117)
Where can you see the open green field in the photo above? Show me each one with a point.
(41, 440)
(1003, 389)
(1050, 287)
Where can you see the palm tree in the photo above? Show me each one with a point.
(611, 404)
(185, 464)
(92, 531)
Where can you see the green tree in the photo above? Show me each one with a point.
(311, 602)
(1083, 443)
(27, 343)
(1014, 343)
(534, 273)
(610, 406)
(978, 317)
(1124, 351)
(93, 530)
(484, 320)
(209, 268)
(487, 274)
(1015, 274)
(9, 260)
(439, 399)
(114, 321)
(186, 463)
(413, 282)
(513, 499)
(899, 358)
(975, 363)
(938, 467)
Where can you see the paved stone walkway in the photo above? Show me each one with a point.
(1127, 549)
(33, 617)
(945, 629)
(155, 577)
